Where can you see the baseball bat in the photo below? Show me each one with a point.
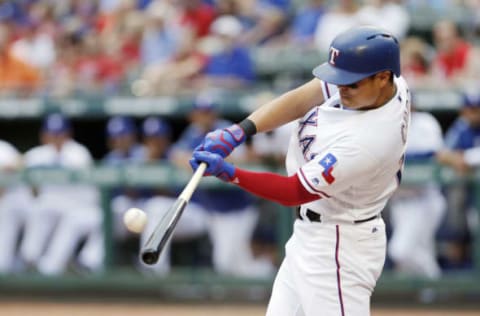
(160, 236)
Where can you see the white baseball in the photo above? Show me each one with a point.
(135, 220)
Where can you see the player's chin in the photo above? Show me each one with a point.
(346, 100)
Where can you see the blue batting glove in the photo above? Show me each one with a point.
(223, 141)
(216, 166)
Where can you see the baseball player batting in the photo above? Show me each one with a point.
(344, 161)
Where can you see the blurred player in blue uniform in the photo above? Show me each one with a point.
(462, 140)
(232, 212)
(416, 211)
(157, 136)
(124, 149)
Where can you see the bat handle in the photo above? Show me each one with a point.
(192, 184)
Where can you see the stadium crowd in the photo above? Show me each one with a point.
(152, 47)
(147, 48)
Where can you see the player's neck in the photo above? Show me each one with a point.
(387, 94)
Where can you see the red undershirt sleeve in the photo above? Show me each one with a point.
(285, 190)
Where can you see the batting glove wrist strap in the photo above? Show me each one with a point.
(248, 127)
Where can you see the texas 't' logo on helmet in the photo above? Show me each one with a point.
(333, 55)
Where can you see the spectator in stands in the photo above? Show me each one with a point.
(61, 77)
(124, 149)
(455, 63)
(157, 136)
(34, 46)
(229, 64)
(63, 216)
(305, 21)
(263, 19)
(387, 14)
(415, 61)
(100, 68)
(15, 203)
(232, 214)
(462, 140)
(340, 17)
(162, 38)
(177, 28)
(120, 33)
(195, 15)
(416, 211)
(16, 77)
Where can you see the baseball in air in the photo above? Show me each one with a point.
(135, 220)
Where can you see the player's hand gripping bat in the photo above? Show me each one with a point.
(160, 236)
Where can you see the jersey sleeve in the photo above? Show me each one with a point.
(328, 89)
(336, 169)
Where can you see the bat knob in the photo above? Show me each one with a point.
(150, 257)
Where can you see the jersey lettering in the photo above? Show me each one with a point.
(311, 120)
(305, 144)
(403, 132)
(405, 118)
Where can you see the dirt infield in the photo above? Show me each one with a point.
(20, 308)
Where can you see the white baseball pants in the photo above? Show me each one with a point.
(329, 269)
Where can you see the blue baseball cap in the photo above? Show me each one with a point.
(120, 126)
(471, 100)
(155, 126)
(56, 123)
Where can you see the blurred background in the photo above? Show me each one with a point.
(103, 101)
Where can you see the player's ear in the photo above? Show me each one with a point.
(385, 77)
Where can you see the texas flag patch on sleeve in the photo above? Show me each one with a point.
(328, 162)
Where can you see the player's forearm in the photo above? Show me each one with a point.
(281, 189)
(287, 107)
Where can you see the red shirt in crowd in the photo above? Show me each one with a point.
(455, 61)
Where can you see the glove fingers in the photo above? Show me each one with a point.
(194, 164)
(209, 158)
(199, 147)
(200, 155)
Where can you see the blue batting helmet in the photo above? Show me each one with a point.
(359, 53)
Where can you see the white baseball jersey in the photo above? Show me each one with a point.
(351, 158)
(74, 208)
(15, 201)
(72, 156)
